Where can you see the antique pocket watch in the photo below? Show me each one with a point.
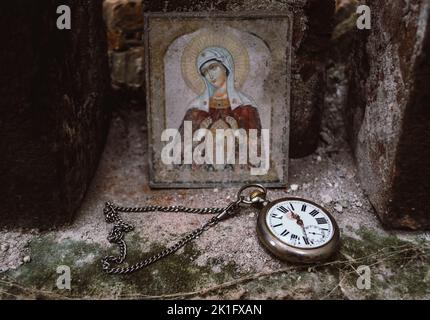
(292, 229)
(298, 230)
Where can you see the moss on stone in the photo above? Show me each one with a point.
(176, 273)
(399, 269)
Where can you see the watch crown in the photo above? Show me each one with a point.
(257, 196)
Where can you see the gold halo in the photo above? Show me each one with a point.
(213, 38)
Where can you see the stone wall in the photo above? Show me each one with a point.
(387, 111)
(124, 21)
(54, 111)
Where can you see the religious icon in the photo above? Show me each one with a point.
(221, 105)
(221, 102)
(217, 91)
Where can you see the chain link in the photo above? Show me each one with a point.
(110, 264)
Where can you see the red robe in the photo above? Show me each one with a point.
(246, 116)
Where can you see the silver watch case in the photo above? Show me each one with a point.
(290, 253)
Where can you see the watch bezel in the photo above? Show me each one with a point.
(291, 253)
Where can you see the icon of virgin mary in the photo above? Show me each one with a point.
(215, 66)
(220, 106)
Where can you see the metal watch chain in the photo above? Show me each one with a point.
(110, 264)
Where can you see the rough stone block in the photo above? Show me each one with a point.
(388, 113)
(127, 68)
(54, 112)
(124, 22)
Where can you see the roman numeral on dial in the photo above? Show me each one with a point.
(285, 232)
(321, 220)
(278, 225)
(313, 213)
(294, 237)
(306, 240)
(283, 209)
(274, 215)
(304, 208)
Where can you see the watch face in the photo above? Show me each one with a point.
(300, 224)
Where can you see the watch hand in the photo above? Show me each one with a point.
(304, 231)
(296, 216)
(291, 215)
(301, 224)
(299, 221)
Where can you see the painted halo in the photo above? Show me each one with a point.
(211, 38)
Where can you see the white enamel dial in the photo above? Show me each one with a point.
(299, 224)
